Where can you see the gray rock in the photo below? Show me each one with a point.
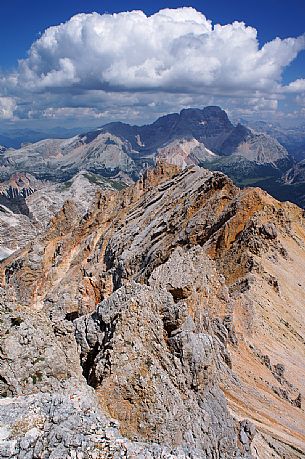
(131, 365)
(269, 231)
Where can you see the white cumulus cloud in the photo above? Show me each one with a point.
(296, 86)
(7, 107)
(175, 51)
(172, 50)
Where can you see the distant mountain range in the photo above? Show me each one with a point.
(204, 137)
(14, 138)
(292, 138)
(209, 126)
(125, 147)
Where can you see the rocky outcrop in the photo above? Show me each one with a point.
(46, 408)
(20, 185)
(184, 152)
(29, 204)
(141, 351)
(15, 190)
(296, 174)
(173, 307)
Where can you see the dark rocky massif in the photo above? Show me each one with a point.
(119, 148)
(122, 152)
(37, 178)
(164, 322)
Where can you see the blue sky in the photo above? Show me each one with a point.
(23, 22)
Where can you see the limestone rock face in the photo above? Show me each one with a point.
(27, 204)
(165, 322)
(184, 152)
(296, 174)
(140, 363)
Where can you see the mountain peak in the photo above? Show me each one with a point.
(207, 133)
(209, 113)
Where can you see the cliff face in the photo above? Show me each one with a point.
(171, 307)
(296, 174)
(185, 153)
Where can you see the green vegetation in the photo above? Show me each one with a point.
(36, 377)
(101, 181)
(251, 181)
(65, 185)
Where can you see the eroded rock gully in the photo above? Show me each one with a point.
(165, 323)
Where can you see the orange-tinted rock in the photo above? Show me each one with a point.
(233, 262)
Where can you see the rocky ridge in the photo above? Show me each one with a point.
(176, 288)
(60, 160)
(28, 204)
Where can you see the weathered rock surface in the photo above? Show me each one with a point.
(139, 367)
(58, 159)
(31, 203)
(296, 174)
(184, 152)
(172, 307)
